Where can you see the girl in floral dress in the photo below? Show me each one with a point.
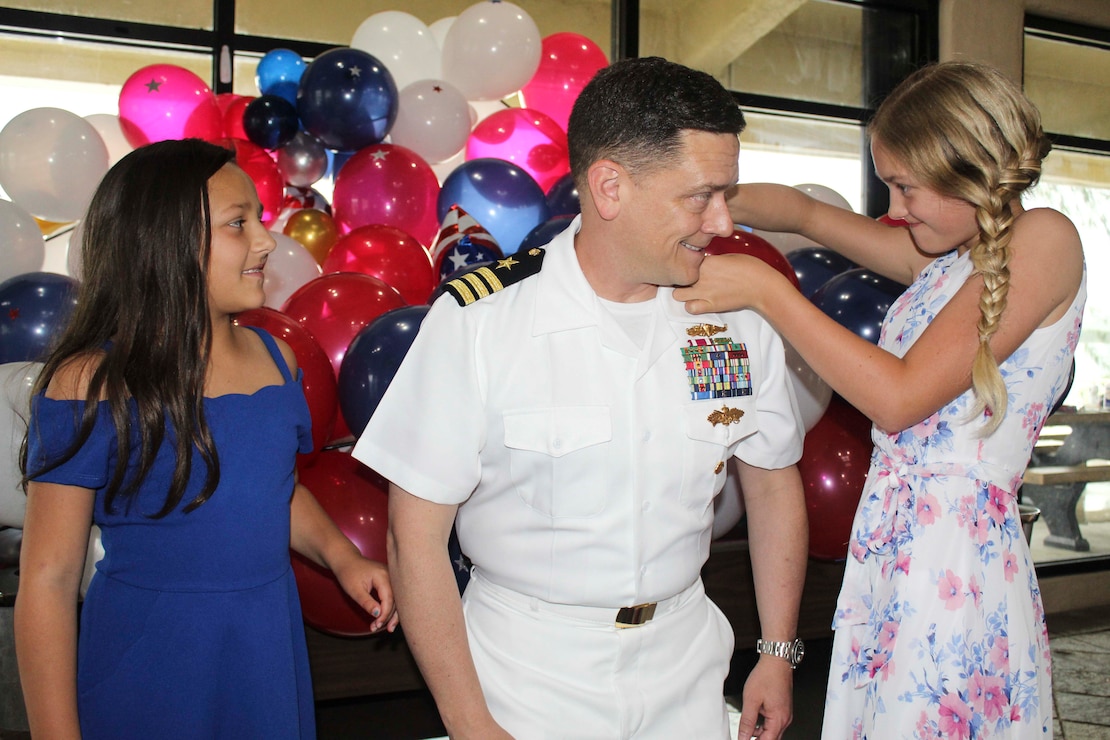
(940, 631)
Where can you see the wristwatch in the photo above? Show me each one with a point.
(792, 651)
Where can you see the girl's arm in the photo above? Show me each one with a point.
(880, 248)
(314, 535)
(51, 563)
(895, 393)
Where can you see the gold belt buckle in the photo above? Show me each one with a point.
(634, 616)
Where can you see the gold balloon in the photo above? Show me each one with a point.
(49, 227)
(315, 230)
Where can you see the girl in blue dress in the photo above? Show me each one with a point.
(176, 431)
(940, 630)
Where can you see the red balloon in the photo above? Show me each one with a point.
(527, 138)
(231, 110)
(387, 184)
(388, 253)
(886, 219)
(334, 308)
(835, 458)
(319, 383)
(264, 172)
(745, 242)
(567, 62)
(357, 500)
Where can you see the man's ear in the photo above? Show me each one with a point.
(604, 178)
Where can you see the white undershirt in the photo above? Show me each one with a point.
(633, 318)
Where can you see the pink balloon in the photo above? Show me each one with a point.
(334, 308)
(387, 253)
(567, 62)
(387, 184)
(264, 172)
(164, 101)
(529, 139)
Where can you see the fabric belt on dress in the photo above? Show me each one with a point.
(620, 617)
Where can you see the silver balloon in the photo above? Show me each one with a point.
(302, 161)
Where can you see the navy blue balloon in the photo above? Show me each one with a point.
(279, 73)
(347, 99)
(562, 197)
(371, 361)
(460, 563)
(34, 308)
(270, 121)
(500, 196)
(545, 232)
(858, 300)
(815, 266)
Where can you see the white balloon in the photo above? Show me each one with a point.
(17, 379)
(491, 50)
(824, 194)
(57, 252)
(401, 42)
(440, 28)
(728, 506)
(22, 248)
(812, 393)
(110, 130)
(433, 119)
(92, 557)
(51, 161)
(288, 267)
(74, 264)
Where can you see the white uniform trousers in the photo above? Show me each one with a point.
(554, 671)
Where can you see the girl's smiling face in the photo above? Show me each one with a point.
(240, 243)
(938, 223)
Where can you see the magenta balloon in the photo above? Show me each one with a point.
(528, 138)
(567, 62)
(387, 184)
(164, 101)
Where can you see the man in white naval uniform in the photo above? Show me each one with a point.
(574, 423)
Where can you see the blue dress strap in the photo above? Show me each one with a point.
(275, 353)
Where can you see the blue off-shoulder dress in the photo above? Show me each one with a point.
(191, 626)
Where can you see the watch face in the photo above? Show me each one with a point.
(798, 652)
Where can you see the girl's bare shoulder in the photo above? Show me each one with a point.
(71, 380)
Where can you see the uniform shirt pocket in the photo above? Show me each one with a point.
(709, 445)
(554, 456)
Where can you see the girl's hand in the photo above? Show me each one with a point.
(367, 582)
(729, 282)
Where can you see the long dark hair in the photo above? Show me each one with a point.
(143, 304)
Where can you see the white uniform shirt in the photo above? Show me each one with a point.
(584, 470)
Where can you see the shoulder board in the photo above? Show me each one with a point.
(488, 279)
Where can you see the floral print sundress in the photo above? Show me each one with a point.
(940, 630)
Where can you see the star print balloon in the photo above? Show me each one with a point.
(164, 101)
(462, 242)
(347, 99)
